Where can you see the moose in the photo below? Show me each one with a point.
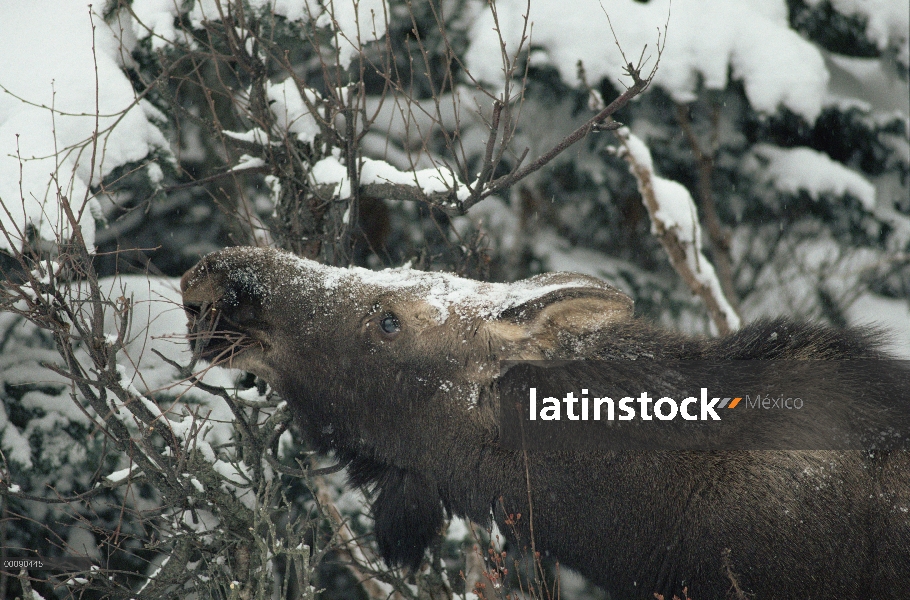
(398, 373)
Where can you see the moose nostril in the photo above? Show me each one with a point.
(192, 309)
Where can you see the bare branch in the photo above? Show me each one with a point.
(704, 159)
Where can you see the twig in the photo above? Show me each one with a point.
(602, 121)
(685, 255)
(598, 120)
(719, 236)
(215, 177)
(487, 167)
(304, 473)
(350, 546)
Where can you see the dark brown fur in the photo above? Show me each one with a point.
(414, 413)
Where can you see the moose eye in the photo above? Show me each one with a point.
(390, 324)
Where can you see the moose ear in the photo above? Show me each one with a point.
(579, 306)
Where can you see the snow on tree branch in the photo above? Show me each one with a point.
(379, 178)
(792, 170)
(710, 43)
(674, 220)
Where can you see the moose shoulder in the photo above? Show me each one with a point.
(396, 371)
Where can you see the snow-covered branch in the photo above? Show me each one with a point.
(674, 220)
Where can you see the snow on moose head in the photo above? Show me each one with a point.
(398, 334)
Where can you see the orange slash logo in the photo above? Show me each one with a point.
(726, 402)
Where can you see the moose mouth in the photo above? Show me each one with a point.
(209, 338)
(213, 335)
